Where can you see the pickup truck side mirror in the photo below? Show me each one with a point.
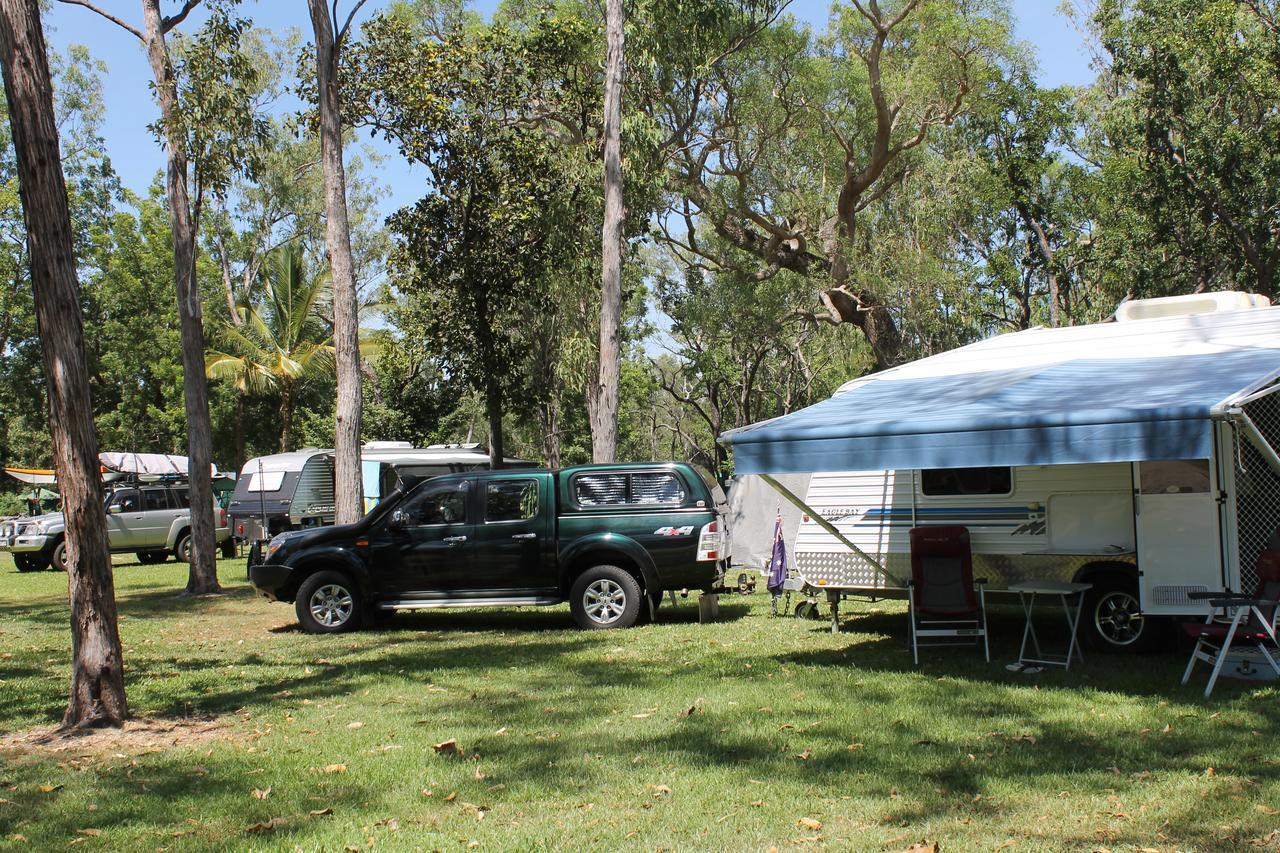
(397, 521)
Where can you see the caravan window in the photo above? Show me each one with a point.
(1174, 477)
(266, 481)
(967, 481)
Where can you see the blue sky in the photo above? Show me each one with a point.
(1060, 52)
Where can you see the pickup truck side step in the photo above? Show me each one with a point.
(437, 603)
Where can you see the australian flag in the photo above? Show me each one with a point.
(778, 562)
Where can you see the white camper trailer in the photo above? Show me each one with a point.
(287, 491)
(1139, 456)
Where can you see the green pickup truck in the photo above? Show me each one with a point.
(609, 539)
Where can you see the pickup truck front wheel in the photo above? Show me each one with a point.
(328, 603)
(605, 597)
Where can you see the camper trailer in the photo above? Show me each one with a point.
(1139, 456)
(288, 491)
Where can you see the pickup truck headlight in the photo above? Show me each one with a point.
(274, 545)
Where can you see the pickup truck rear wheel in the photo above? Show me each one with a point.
(605, 597)
(328, 603)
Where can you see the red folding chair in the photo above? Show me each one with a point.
(1240, 620)
(943, 599)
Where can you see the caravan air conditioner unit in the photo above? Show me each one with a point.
(1195, 303)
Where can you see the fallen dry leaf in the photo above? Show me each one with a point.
(266, 825)
(453, 796)
(641, 716)
(660, 791)
(855, 746)
(1168, 727)
(92, 833)
(923, 846)
(49, 789)
(805, 756)
(755, 804)
(321, 812)
(334, 768)
(1267, 810)
(448, 747)
(809, 823)
(261, 793)
(355, 725)
(690, 711)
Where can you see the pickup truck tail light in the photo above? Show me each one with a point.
(710, 542)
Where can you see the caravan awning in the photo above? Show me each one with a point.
(1109, 392)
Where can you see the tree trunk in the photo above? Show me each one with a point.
(239, 432)
(97, 674)
(493, 409)
(202, 575)
(603, 402)
(348, 484)
(551, 447)
(286, 416)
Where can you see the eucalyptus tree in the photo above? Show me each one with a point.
(603, 395)
(785, 147)
(330, 38)
(97, 695)
(1191, 144)
(209, 131)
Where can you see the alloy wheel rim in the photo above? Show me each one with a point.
(1117, 618)
(331, 605)
(604, 600)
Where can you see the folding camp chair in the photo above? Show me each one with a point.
(943, 598)
(1238, 619)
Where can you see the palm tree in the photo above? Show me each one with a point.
(283, 341)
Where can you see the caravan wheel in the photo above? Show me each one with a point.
(1113, 621)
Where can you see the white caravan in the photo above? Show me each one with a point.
(1165, 485)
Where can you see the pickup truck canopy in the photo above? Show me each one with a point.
(1109, 392)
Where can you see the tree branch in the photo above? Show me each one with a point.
(173, 20)
(342, 33)
(112, 18)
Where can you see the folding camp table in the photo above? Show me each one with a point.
(1027, 592)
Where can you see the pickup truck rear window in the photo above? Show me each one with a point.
(641, 488)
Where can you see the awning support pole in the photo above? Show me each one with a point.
(831, 528)
(1256, 438)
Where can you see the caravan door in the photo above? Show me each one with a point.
(1179, 542)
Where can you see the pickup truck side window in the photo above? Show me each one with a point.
(600, 489)
(510, 500)
(656, 488)
(437, 506)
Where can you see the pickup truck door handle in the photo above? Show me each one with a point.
(525, 536)
(455, 540)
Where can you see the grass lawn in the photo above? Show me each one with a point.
(751, 733)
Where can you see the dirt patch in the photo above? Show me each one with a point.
(137, 737)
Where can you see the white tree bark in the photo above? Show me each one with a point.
(603, 398)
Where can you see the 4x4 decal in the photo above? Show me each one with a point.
(674, 531)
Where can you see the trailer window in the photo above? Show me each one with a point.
(967, 481)
(511, 500)
(265, 481)
(1173, 477)
(600, 489)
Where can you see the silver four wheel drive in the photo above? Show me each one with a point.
(153, 521)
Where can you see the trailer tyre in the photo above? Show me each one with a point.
(1113, 620)
(605, 597)
(328, 603)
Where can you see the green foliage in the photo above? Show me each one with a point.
(1191, 178)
